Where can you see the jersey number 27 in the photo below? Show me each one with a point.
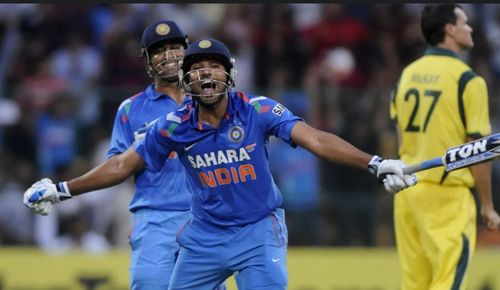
(414, 93)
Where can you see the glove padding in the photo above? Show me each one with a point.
(394, 184)
(42, 207)
(42, 195)
(390, 173)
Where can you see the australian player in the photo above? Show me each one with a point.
(238, 224)
(439, 103)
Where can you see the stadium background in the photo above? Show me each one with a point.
(65, 68)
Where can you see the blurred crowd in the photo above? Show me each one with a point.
(65, 68)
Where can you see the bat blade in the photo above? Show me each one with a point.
(465, 155)
(474, 152)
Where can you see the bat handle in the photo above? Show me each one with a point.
(438, 161)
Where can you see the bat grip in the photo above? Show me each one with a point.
(412, 168)
(423, 166)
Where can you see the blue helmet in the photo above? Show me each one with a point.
(160, 31)
(207, 48)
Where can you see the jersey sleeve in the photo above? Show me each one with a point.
(121, 136)
(476, 108)
(156, 145)
(275, 119)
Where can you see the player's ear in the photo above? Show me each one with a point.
(449, 29)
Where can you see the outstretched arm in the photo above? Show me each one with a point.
(42, 194)
(329, 146)
(114, 171)
(335, 149)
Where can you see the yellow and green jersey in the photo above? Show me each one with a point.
(438, 103)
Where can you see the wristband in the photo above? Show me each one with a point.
(63, 188)
(374, 164)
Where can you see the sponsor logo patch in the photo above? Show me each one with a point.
(278, 109)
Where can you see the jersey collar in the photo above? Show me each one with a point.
(152, 93)
(232, 104)
(187, 100)
(232, 108)
(433, 50)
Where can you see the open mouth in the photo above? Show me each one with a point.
(208, 84)
(208, 87)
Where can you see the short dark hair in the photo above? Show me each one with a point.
(434, 19)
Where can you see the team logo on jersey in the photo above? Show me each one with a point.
(162, 29)
(236, 134)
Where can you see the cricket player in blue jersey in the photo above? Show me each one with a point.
(221, 138)
(161, 202)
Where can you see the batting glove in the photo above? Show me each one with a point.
(390, 173)
(42, 207)
(42, 194)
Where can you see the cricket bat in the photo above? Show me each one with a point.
(465, 155)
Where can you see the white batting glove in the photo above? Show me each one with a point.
(42, 194)
(390, 173)
(42, 207)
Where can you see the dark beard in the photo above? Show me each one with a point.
(165, 81)
(210, 106)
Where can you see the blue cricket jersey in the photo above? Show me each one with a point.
(165, 190)
(228, 165)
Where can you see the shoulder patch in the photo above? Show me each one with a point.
(174, 118)
(125, 106)
(125, 103)
(260, 107)
(169, 131)
(129, 101)
(255, 99)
